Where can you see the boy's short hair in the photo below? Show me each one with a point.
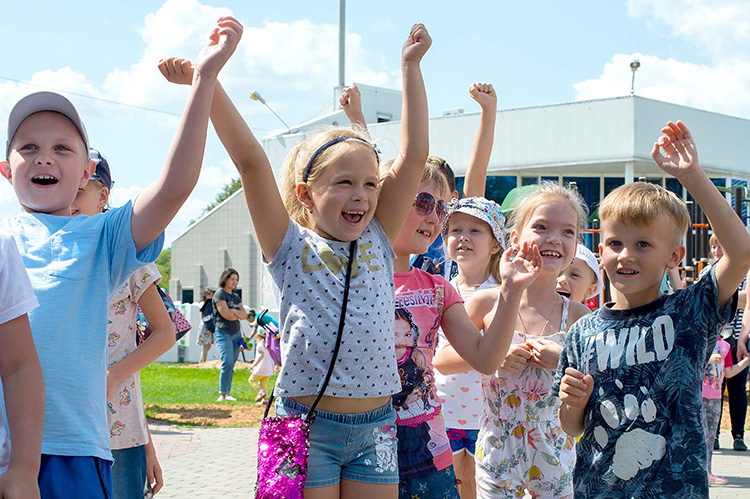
(639, 203)
(37, 103)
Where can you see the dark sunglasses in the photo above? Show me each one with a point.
(425, 203)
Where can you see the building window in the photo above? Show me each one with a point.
(496, 187)
(187, 296)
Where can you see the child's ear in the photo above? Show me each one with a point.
(495, 247)
(88, 172)
(103, 198)
(304, 195)
(5, 170)
(589, 291)
(513, 237)
(678, 253)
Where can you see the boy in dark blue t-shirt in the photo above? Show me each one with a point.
(630, 374)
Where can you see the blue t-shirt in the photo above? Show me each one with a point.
(643, 432)
(76, 264)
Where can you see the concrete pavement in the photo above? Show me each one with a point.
(221, 462)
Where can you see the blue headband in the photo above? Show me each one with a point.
(329, 144)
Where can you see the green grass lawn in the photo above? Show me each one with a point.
(164, 383)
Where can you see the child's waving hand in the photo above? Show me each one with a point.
(521, 270)
(680, 154)
(222, 42)
(417, 43)
(484, 94)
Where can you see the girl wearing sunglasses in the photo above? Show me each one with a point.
(425, 457)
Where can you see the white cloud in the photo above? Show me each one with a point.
(718, 28)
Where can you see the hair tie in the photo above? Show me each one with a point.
(329, 144)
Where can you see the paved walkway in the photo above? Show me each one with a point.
(220, 463)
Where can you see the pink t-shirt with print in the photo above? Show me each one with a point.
(421, 299)
(714, 376)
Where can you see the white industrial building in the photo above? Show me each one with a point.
(598, 144)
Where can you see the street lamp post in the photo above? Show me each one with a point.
(634, 67)
(257, 96)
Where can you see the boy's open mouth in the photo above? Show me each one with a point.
(566, 294)
(353, 217)
(44, 180)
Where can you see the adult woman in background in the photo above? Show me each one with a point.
(227, 333)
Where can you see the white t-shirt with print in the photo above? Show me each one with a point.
(127, 422)
(461, 392)
(16, 299)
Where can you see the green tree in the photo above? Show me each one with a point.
(226, 191)
(164, 263)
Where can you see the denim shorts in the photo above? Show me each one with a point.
(360, 447)
(463, 439)
(129, 472)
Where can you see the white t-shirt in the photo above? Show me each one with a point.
(16, 299)
(461, 392)
(265, 366)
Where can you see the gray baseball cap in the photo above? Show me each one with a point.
(43, 101)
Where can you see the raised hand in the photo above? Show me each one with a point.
(351, 99)
(222, 41)
(484, 94)
(680, 154)
(177, 70)
(416, 44)
(351, 103)
(575, 388)
(521, 270)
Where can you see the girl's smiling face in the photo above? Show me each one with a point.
(343, 198)
(419, 231)
(553, 225)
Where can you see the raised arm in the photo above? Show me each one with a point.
(159, 203)
(485, 352)
(476, 174)
(401, 182)
(351, 103)
(270, 218)
(680, 159)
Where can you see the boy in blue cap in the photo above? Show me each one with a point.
(77, 263)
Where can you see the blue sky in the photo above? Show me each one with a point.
(532, 52)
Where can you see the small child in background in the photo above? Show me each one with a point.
(582, 279)
(719, 366)
(21, 375)
(208, 323)
(262, 367)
